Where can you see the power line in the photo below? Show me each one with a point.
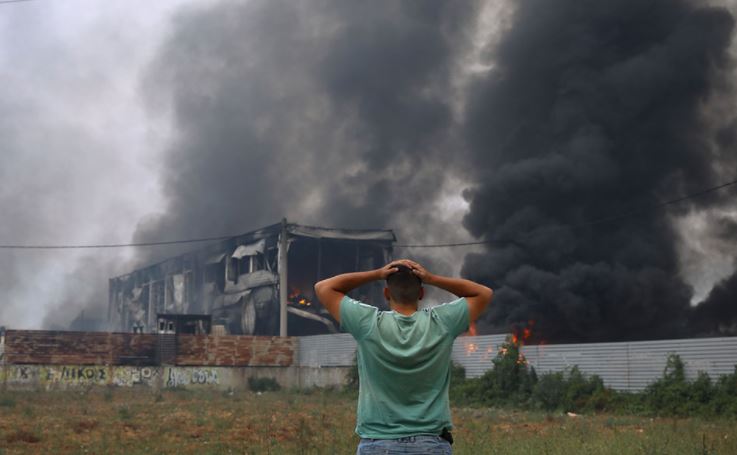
(14, 1)
(436, 245)
(112, 245)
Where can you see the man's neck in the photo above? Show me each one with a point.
(407, 309)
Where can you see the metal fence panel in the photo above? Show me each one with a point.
(607, 360)
(715, 356)
(475, 353)
(326, 350)
(623, 366)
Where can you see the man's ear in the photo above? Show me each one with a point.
(422, 293)
(386, 294)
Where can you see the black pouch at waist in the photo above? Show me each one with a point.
(447, 435)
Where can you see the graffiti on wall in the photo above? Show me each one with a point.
(77, 374)
(21, 374)
(64, 377)
(52, 376)
(178, 377)
(131, 376)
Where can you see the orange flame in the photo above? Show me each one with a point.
(521, 335)
(296, 297)
(471, 348)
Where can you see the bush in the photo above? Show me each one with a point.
(549, 391)
(462, 390)
(457, 373)
(511, 382)
(724, 397)
(571, 391)
(672, 395)
(263, 384)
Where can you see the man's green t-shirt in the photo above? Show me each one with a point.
(404, 367)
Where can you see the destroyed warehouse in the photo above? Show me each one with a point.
(257, 283)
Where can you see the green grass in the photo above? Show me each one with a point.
(138, 421)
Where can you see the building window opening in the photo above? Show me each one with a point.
(250, 264)
(233, 270)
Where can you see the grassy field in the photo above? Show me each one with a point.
(141, 421)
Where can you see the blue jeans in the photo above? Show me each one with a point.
(424, 444)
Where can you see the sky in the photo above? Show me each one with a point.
(149, 121)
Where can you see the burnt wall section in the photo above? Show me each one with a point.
(236, 281)
(235, 351)
(79, 348)
(40, 347)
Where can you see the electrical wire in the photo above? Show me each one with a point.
(113, 245)
(14, 1)
(436, 245)
(588, 223)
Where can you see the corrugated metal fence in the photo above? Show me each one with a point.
(326, 350)
(634, 365)
(623, 366)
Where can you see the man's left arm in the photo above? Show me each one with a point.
(332, 290)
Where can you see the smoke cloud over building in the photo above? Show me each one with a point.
(536, 123)
(344, 116)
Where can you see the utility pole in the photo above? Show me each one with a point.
(283, 287)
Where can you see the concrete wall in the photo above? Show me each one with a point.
(71, 377)
(53, 360)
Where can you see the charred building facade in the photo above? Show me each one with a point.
(257, 283)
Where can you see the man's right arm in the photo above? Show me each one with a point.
(477, 295)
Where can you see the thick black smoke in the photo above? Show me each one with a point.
(326, 112)
(594, 109)
(345, 114)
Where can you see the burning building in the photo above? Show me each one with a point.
(257, 283)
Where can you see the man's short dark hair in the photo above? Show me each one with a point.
(404, 286)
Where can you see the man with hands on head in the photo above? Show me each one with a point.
(404, 354)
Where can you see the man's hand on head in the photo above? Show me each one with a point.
(331, 291)
(388, 269)
(419, 271)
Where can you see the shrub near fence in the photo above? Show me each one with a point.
(512, 382)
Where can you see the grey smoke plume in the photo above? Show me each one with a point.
(595, 109)
(69, 171)
(718, 313)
